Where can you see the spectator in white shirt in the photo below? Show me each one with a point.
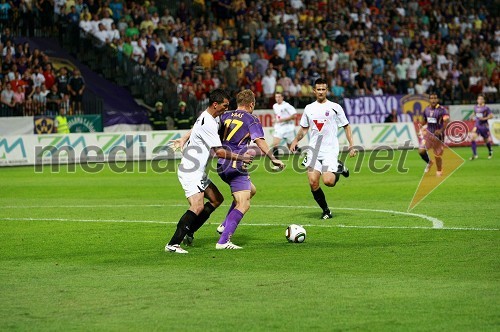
(420, 88)
(281, 48)
(413, 69)
(268, 83)
(452, 48)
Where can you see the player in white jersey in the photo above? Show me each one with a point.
(284, 124)
(323, 117)
(203, 138)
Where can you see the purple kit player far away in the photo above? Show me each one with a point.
(432, 133)
(482, 114)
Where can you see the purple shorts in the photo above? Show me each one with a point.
(237, 179)
(429, 141)
(483, 131)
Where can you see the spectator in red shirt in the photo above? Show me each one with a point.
(50, 77)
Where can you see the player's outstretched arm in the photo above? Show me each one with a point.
(179, 143)
(264, 147)
(348, 134)
(300, 135)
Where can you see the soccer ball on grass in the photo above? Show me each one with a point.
(295, 233)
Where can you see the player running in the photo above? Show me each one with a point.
(432, 133)
(284, 123)
(323, 117)
(482, 114)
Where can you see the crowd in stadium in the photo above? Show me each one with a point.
(361, 47)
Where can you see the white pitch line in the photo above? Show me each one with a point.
(436, 223)
(248, 224)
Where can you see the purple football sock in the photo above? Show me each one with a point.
(474, 147)
(231, 222)
(233, 204)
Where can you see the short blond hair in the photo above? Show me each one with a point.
(245, 98)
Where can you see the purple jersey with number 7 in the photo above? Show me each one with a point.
(238, 129)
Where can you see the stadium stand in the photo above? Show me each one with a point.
(172, 51)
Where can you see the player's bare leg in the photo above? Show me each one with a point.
(275, 150)
(330, 179)
(439, 165)
(318, 194)
(425, 157)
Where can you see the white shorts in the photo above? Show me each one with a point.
(285, 134)
(322, 164)
(193, 182)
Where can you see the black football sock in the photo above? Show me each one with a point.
(425, 157)
(337, 178)
(275, 152)
(201, 218)
(488, 145)
(183, 227)
(319, 197)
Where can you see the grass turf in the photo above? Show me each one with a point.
(83, 251)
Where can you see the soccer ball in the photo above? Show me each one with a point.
(295, 233)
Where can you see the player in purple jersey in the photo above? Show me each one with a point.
(482, 114)
(432, 133)
(203, 139)
(238, 129)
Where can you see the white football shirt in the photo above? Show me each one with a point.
(204, 137)
(284, 110)
(323, 121)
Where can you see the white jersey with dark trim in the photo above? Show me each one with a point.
(323, 121)
(204, 137)
(281, 111)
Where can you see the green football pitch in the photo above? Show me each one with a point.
(84, 250)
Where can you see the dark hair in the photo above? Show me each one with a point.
(218, 96)
(320, 81)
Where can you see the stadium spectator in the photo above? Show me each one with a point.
(61, 122)
(53, 100)
(392, 117)
(8, 101)
(76, 86)
(464, 36)
(158, 118)
(183, 119)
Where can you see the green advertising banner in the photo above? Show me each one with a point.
(77, 124)
(85, 123)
